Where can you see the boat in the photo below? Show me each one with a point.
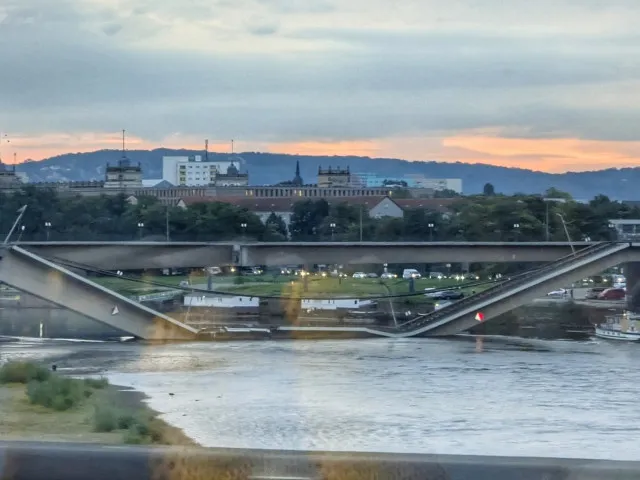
(625, 327)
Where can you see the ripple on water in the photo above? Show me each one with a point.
(554, 399)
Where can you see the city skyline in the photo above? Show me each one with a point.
(548, 85)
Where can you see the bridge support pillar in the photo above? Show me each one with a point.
(32, 274)
(632, 274)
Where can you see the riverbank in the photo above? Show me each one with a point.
(108, 414)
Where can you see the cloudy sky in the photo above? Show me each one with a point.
(547, 84)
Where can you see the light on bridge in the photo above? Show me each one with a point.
(480, 317)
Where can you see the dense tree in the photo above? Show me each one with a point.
(472, 218)
(276, 228)
(488, 190)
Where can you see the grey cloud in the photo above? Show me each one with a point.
(360, 84)
(298, 6)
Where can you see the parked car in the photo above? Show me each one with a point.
(446, 295)
(594, 292)
(372, 275)
(359, 275)
(410, 273)
(560, 292)
(613, 294)
(388, 275)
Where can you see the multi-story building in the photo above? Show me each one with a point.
(123, 175)
(8, 176)
(417, 181)
(193, 171)
(334, 177)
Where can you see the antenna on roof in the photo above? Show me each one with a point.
(123, 148)
(231, 146)
(206, 150)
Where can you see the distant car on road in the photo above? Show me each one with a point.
(388, 275)
(359, 275)
(613, 294)
(594, 292)
(446, 295)
(560, 292)
(410, 273)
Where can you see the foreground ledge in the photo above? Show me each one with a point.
(52, 461)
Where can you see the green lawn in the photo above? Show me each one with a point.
(279, 285)
(332, 286)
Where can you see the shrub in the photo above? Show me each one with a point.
(97, 383)
(59, 393)
(23, 372)
(105, 418)
(132, 437)
(126, 420)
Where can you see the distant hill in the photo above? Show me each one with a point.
(267, 168)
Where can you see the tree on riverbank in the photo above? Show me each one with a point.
(473, 218)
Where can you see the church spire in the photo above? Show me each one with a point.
(297, 180)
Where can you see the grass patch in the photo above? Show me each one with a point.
(54, 407)
(96, 383)
(58, 393)
(23, 372)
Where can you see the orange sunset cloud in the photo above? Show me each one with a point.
(550, 155)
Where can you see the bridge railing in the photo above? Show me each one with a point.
(508, 284)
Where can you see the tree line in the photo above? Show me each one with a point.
(487, 217)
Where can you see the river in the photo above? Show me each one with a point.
(490, 396)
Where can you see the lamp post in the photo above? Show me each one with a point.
(566, 231)
(430, 225)
(243, 226)
(21, 232)
(332, 226)
(547, 201)
(516, 227)
(47, 226)
(140, 227)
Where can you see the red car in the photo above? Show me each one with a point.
(613, 294)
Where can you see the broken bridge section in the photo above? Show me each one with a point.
(33, 274)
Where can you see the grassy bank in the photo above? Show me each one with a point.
(318, 286)
(37, 404)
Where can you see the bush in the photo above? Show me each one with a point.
(59, 393)
(23, 372)
(126, 420)
(97, 383)
(133, 437)
(105, 418)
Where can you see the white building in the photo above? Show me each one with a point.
(199, 300)
(310, 304)
(193, 170)
(371, 180)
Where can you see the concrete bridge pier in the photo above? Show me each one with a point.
(44, 279)
(632, 274)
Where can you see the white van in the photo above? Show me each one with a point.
(410, 273)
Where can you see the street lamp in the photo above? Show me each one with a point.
(243, 226)
(140, 227)
(332, 226)
(430, 225)
(566, 231)
(612, 231)
(546, 222)
(516, 226)
(21, 232)
(47, 225)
